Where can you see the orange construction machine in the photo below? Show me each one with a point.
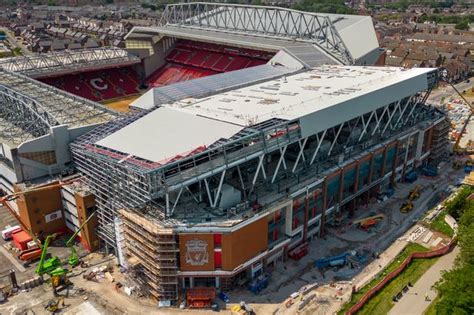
(200, 297)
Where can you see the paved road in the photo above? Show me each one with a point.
(413, 302)
(14, 43)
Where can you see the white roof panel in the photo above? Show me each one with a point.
(166, 133)
(321, 98)
(310, 92)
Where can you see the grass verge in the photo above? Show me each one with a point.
(410, 248)
(441, 226)
(382, 302)
(431, 310)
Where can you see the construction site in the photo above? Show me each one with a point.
(264, 161)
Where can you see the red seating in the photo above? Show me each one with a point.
(222, 63)
(211, 59)
(198, 58)
(191, 59)
(237, 63)
(99, 85)
(182, 57)
(172, 73)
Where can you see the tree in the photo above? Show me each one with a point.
(455, 289)
(462, 25)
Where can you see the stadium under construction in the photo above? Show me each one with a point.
(262, 127)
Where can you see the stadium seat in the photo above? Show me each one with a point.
(99, 85)
(191, 59)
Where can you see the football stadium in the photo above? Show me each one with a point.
(250, 129)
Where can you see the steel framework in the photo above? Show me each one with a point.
(273, 22)
(68, 61)
(264, 159)
(32, 108)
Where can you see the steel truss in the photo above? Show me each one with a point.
(68, 61)
(273, 22)
(277, 155)
(31, 108)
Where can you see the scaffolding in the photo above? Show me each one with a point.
(440, 141)
(156, 251)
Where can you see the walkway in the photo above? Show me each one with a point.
(413, 302)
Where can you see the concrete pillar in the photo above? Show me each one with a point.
(322, 221)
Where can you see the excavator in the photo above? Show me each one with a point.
(414, 193)
(73, 258)
(406, 207)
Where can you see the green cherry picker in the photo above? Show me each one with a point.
(73, 258)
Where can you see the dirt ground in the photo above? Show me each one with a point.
(122, 105)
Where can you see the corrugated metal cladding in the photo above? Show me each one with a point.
(205, 86)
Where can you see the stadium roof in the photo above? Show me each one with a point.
(187, 134)
(65, 62)
(321, 98)
(28, 109)
(209, 85)
(347, 38)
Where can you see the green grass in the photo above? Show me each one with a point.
(431, 310)
(382, 302)
(410, 248)
(441, 226)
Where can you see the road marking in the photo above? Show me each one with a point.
(12, 259)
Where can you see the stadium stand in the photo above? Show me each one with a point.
(99, 85)
(192, 59)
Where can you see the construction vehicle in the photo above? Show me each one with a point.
(406, 207)
(242, 309)
(468, 166)
(299, 252)
(53, 305)
(411, 176)
(30, 255)
(333, 261)
(414, 193)
(51, 266)
(259, 283)
(366, 225)
(73, 258)
(200, 297)
(363, 221)
(429, 171)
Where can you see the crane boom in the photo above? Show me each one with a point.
(73, 259)
(44, 250)
(456, 145)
